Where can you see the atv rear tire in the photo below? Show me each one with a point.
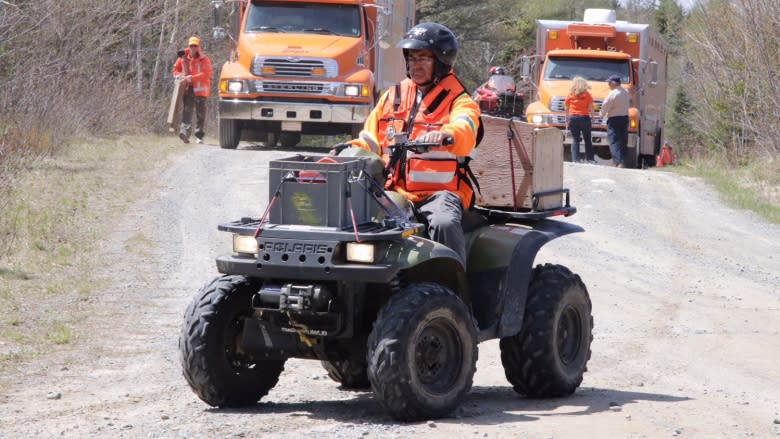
(422, 352)
(351, 374)
(212, 364)
(550, 354)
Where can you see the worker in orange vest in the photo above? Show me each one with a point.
(194, 68)
(431, 105)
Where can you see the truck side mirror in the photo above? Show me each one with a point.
(653, 72)
(216, 21)
(526, 69)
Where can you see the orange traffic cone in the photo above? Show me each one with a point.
(667, 156)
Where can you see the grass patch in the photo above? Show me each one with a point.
(63, 209)
(8, 274)
(60, 333)
(754, 185)
(140, 244)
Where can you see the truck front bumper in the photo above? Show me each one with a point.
(292, 111)
(598, 138)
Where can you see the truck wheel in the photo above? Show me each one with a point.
(351, 374)
(212, 362)
(229, 133)
(289, 140)
(550, 354)
(355, 131)
(630, 160)
(272, 139)
(422, 352)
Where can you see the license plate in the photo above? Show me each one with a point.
(291, 126)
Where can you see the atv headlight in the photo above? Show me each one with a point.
(360, 252)
(245, 244)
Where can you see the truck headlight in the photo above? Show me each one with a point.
(352, 90)
(235, 86)
(537, 118)
(245, 244)
(360, 252)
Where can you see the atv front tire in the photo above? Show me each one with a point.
(211, 359)
(422, 352)
(550, 354)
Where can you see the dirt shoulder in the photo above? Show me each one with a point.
(684, 291)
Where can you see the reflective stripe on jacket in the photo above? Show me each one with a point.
(447, 108)
(200, 69)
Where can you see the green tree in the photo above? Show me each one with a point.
(668, 21)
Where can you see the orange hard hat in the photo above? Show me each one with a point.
(193, 41)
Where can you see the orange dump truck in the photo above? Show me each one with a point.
(306, 67)
(596, 48)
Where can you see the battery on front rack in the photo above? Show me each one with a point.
(315, 190)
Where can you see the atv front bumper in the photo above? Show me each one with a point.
(295, 270)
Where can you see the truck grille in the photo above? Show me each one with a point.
(288, 87)
(557, 105)
(294, 67)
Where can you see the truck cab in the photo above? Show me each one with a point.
(306, 67)
(596, 49)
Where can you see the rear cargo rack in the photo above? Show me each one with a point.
(495, 215)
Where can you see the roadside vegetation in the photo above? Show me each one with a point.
(101, 71)
(60, 211)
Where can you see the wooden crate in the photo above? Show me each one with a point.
(537, 159)
(175, 107)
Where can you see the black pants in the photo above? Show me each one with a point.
(443, 212)
(617, 134)
(198, 105)
(580, 125)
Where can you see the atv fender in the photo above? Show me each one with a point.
(424, 260)
(510, 248)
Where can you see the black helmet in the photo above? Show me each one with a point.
(499, 71)
(434, 37)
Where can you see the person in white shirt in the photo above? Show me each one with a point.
(615, 108)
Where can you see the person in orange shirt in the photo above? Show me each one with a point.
(579, 108)
(194, 68)
(431, 105)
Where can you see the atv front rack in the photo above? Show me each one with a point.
(367, 231)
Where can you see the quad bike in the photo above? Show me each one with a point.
(499, 97)
(338, 270)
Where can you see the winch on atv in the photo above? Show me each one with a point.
(337, 269)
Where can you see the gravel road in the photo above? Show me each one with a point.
(686, 303)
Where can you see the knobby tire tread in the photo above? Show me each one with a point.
(531, 363)
(201, 349)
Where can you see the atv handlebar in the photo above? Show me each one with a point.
(417, 146)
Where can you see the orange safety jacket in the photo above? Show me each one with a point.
(447, 107)
(200, 69)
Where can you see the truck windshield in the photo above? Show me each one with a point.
(315, 18)
(561, 68)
